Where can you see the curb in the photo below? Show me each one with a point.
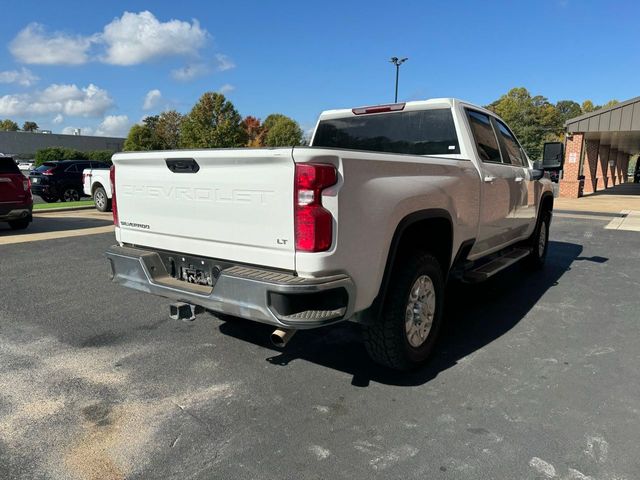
(62, 209)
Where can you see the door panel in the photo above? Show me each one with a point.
(501, 196)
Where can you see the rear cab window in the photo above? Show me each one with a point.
(418, 132)
(8, 165)
(46, 166)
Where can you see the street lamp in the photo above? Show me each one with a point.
(397, 62)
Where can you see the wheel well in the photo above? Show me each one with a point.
(429, 231)
(433, 235)
(95, 186)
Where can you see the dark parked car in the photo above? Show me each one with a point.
(61, 180)
(16, 202)
(636, 174)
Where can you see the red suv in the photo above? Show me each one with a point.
(16, 202)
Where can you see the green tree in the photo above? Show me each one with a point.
(167, 130)
(212, 123)
(140, 137)
(588, 107)
(281, 131)
(272, 119)
(29, 126)
(8, 126)
(610, 103)
(533, 119)
(52, 154)
(568, 109)
(99, 155)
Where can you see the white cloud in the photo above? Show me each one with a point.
(152, 99)
(138, 37)
(189, 72)
(22, 77)
(70, 100)
(226, 88)
(34, 45)
(224, 62)
(58, 119)
(113, 126)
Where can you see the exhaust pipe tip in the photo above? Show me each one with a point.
(280, 337)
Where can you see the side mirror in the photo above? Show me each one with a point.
(553, 156)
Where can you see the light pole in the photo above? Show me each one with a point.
(397, 62)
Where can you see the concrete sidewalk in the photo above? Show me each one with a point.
(623, 197)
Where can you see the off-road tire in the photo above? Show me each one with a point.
(385, 337)
(535, 260)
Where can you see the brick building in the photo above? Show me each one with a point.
(598, 148)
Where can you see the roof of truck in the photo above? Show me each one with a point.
(408, 106)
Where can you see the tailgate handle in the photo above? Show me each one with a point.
(182, 165)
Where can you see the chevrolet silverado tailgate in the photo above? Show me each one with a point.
(234, 204)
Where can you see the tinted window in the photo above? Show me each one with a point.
(426, 132)
(514, 152)
(8, 165)
(72, 169)
(45, 166)
(484, 136)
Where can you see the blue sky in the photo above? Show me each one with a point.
(77, 64)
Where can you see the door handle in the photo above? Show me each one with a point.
(489, 179)
(519, 179)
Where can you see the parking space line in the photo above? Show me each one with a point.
(34, 237)
(630, 222)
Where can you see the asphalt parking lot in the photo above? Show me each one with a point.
(536, 377)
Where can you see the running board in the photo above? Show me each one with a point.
(496, 265)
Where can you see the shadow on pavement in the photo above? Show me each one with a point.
(489, 310)
(42, 224)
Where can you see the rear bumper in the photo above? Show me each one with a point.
(264, 296)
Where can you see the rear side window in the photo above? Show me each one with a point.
(8, 165)
(513, 150)
(484, 136)
(425, 132)
(46, 166)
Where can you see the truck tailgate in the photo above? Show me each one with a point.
(237, 206)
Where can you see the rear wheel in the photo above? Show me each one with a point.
(404, 335)
(539, 242)
(19, 224)
(70, 194)
(103, 204)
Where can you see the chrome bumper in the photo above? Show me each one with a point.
(239, 291)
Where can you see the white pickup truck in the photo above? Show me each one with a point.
(96, 184)
(366, 224)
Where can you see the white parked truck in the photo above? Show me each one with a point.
(366, 224)
(96, 184)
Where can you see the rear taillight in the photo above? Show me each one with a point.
(114, 203)
(26, 184)
(48, 172)
(313, 222)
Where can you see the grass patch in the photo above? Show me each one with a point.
(47, 206)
